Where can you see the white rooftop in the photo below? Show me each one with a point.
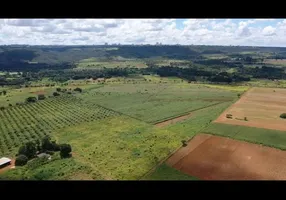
(4, 160)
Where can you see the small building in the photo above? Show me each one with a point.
(4, 162)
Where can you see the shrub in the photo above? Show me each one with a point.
(2, 108)
(56, 94)
(229, 116)
(283, 116)
(21, 160)
(78, 89)
(10, 104)
(41, 97)
(65, 150)
(184, 142)
(31, 99)
(58, 89)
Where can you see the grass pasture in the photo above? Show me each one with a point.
(119, 147)
(156, 102)
(98, 63)
(275, 62)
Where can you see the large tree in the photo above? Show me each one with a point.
(29, 150)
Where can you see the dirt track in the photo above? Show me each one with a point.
(218, 158)
(261, 106)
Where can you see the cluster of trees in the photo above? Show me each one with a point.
(31, 149)
(191, 74)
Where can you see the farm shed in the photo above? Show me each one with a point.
(4, 162)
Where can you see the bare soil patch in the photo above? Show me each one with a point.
(218, 158)
(262, 108)
(39, 92)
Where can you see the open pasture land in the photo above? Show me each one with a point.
(14, 96)
(97, 63)
(156, 102)
(277, 62)
(30, 122)
(262, 108)
(119, 147)
(217, 158)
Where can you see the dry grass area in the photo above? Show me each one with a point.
(262, 108)
(219, 158)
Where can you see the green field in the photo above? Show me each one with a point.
(119, 147)
(164, 172)
(266, 137)
(54, 169)
(156, 102)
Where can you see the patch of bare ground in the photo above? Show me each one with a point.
(218, 158)
(262, 108)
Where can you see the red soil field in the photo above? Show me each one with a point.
(218, 158)
(261, 106)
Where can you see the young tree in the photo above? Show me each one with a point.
(56, 94)
(58, 89)
(31, 99)
(4, 92)
(21, 160)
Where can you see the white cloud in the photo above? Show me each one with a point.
(269, 31)
(146, 31)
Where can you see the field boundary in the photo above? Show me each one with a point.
(186, 113)
(245, 140)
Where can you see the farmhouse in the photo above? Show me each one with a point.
(4, 162)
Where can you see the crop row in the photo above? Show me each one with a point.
(30, 122)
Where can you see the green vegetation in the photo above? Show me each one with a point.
(119, 147)
(54, 169)
(156, 102)
(267, 137)
(30, 122)
(164, 172)
(283, 116)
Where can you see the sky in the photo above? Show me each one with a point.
(243, 32)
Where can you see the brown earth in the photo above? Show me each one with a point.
(8, 167)
(261, 106)
(39, 92)
(218, 158)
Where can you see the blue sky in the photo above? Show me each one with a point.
(243, 32)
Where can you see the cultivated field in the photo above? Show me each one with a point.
(30, 122)
(217, 158)
(262, 108)
(153, 103)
